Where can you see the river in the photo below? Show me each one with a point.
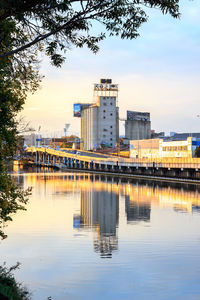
(94, 237)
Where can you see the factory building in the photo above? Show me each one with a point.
(159, 148)
(137, 125)
(100, 120)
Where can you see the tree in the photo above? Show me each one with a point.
(197, 152)
(9, 287)
(15, 81)
(52, 26)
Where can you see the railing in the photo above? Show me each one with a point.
(189, 163)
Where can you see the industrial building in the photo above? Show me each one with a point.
(159, 148)
(137, 125)
(100, 120)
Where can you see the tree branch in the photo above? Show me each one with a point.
(77, 17)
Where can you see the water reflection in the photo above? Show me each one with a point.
(94, 189)
(99, 201)
(135, 211)
(148, 230)
(100, 211)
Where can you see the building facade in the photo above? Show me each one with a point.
(100, 120)
(137, 125)
(159, 148)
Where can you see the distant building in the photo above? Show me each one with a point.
(183, 136)
(156, 135)
(137, 125)
(145, 148)
(159, 148)
(30, 139)
(100, 120)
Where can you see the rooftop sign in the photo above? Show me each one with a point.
(105, 87)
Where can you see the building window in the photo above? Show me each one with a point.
(105, 129)
(111, 132)
(111, 139)
(104, 104)
(104, 117)
(110, 126)
(111, 103)
(111, 114)
(104, 111)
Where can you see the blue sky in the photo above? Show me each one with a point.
(157, 72)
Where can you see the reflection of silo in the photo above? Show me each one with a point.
(100, 210)
(136, 211)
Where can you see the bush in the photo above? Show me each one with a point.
(8, 285)
(197, 152)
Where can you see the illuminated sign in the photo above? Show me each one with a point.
(105, 86)
(77, 110)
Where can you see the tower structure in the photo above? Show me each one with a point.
(100, 119)
(137, 125)
(105, 89)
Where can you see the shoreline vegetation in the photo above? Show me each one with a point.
(10, 289)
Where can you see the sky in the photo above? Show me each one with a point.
(159, 72)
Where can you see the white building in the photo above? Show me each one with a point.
(30, 139)
(100, 120)
(158, 148)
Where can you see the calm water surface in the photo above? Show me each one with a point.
(92, 237)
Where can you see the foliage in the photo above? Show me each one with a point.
(197, 152)
(14, 85)
(12, 199)
(23, 127)
(54, 25)
(67, 141)
(8, 285)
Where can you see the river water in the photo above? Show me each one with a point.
(93, 237)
